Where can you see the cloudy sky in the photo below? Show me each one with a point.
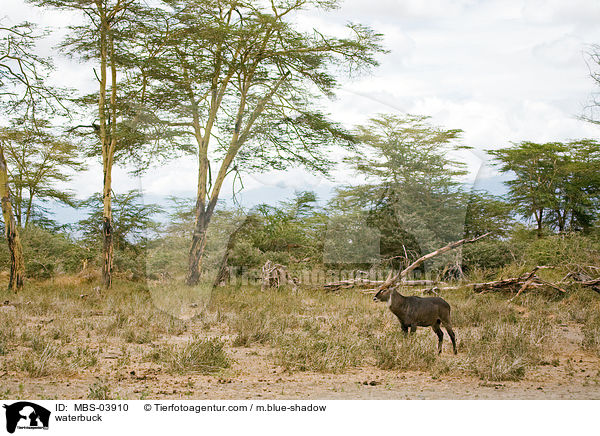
(501, 70)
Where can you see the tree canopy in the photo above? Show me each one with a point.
(556, 184)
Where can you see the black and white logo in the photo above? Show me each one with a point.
(26, 415)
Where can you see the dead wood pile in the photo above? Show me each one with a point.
(275, 275)
(518, 284)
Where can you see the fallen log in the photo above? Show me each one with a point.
(352, 283)
(497, 284)
(552, 285)
(399, 278)
(523, 282)
(530, 278)
(582, 279)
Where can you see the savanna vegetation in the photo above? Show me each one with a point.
(139, 299)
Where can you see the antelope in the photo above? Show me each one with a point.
(413, 312)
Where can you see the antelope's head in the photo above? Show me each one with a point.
(382, 294)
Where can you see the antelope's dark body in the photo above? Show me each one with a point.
(413, 312)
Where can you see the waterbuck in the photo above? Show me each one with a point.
(413, 312)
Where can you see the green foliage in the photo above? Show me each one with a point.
(349, 241)
(38, 159)
(487, 213)
(47, 253)
(412, 196)
(489, 254)
(555, 183)
(132, 220)
(133, 228)
(573, 249)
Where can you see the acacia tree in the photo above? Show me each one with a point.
(105, 38)
(242, 81)
(133, 220)
(22, 89)
(578, 191)
(555, 183)
(411, 193)
(17, 261)
(37, 159)
(536, 168)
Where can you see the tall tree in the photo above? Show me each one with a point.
(104, 38)
(38, 158)
(23, 89)
(243, 82)
(555, 183)
(411, 192)
(578, 205)
(536, 168)
(17, 261)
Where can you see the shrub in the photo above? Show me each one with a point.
(563, 249)
(487, 254)
(46, 253)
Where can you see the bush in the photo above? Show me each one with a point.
(487, 254)
(559, 250)
(46, 253)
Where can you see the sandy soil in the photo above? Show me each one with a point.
(254, 376)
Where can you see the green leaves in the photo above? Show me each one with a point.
(555, 183)
(411, 195)
(39, 159)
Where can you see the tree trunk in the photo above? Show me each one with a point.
(223, 275)
(107, 245)
(108, 139)
(17, 261)
(198, 245)
(539, 217)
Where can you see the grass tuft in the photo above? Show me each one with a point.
(206, 356)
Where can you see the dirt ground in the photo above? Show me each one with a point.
(253, 375)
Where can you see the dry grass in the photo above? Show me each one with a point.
(205, 356)
(53, 331)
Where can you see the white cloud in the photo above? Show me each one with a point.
(500, 70)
